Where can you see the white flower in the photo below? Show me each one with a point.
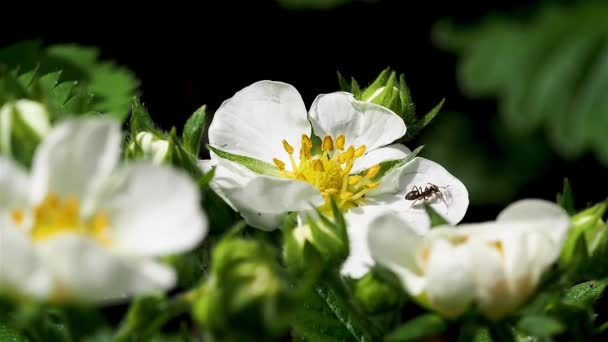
(152, 147)
(79, 227)
(494, 265)
(31, 113)
(267, 165)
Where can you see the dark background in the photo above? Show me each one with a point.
(190, 55)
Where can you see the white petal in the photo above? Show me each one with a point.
(275, 195)
(358, 221)
(75, 157)
(450, 278)
(362, 123)
(543, 216)
(264, 221)
(527, 255)
(493, 292)
(84, 270)
(228, 175)
(256, 119)
(255, 196)
(14, 186)
(416, 219)
(21, 268)
(395, 245)
(382, 154)
(420, 172)
(154, 210)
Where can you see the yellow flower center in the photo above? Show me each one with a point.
(55, 216)
(330, 172)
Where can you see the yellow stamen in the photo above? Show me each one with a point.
(352, 180)
(346, 195)
(287, 147)
(328, 144)
(372, 185)
(372, 171)
(360, 151)
(54, 216)
(318, 166)
(279, 164)
(330, 172)
(340, 142)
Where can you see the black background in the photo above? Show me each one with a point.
(195, 54)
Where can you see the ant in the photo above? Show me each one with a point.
(418, 194)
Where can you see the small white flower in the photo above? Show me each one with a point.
(79, 227)
(267, 127)
(31, 113)
(494, 265)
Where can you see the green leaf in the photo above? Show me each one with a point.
(255, 165)
(475, 334)
(347, 312)
(111, 86)
(391, 165)
(314, 321)
(204, 181)
(424, 326)
(566, 198)
(436, 218)
(344, 86)
(8, 333)
(140, 120)
(181, 158)
(586, 293)
(541, 326)
(193, 131)
(548, 71)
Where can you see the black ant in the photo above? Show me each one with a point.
(418, 194)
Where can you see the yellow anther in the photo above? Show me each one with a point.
(328, 144)
(372, 185)
(346, 195)
(279, 164)
(352, 180)
(330, 191)
(305, 153)
(18, 216)
(306, 141)
(318, 166)
(348, 155)
(287, 147)
(340, 142)
(360, 151)
(372, 171)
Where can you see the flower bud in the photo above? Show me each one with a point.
(150, 147)
(315, 240)
(23, 124)
(245, 289)
(377, 295)
(589, 224)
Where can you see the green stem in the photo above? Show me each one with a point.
(178, 305)
(335, 294)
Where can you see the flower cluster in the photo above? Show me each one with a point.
(358, 210)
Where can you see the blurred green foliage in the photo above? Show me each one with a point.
(547, 71)
(108, 87)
